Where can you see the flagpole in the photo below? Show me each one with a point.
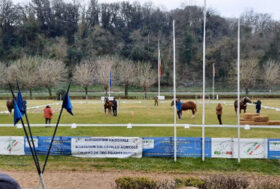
(203, 92)
(110, 83)
(238, 86)
(33, 145)
(213, 84)
(26, 135)
(59, 117)
(174, 92)
(158, 69)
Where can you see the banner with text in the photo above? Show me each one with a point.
(273, 146)
(249, 148)
(186, 147)
(107, 147)
(61, 145)
(11, 145)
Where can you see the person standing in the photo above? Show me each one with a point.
(258, 106)
(179, 108)
(115, 107)
(219, 111)
(48, 114)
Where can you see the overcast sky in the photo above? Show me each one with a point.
(228, 8)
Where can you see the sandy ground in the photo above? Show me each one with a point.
(80, 180)
(104, 179)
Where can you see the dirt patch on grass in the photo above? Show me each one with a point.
(105, 179)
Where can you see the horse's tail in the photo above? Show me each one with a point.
(195, 109)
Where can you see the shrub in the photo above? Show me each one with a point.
(196, 182)
(228, 182)
(135, 183)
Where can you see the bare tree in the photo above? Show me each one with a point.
(3, 73)
(84, 75)
(271, 74)
(103, 67)
(27, 72)
(146, 76)
(10, 76)
(126, 74)
(248, 73)
(51, 73)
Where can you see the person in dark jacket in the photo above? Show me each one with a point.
(7, 182)
(179, 108)
(258, 106)
(219, 111)
(115, 107)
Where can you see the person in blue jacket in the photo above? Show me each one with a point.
(258, 106)
(179, 108)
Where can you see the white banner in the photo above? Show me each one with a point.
(107, 147)
(12, 145)
(249, 148)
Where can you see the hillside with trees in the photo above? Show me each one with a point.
(76, 38)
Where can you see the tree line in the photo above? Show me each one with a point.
(70, 33)
(35, 72)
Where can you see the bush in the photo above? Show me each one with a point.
(228, 182)
(60, 94)
(196, 182)
(135, 183)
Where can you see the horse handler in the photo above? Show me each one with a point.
(219, 111)
(48, 114)
(115, 107)
(179, 108)
(258, 106)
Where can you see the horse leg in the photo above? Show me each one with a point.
(193, 113)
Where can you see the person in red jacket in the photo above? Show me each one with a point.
(48, 114)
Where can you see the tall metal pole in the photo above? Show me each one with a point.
(109, 84)
(238, 86)
(174, 92)
(203, 92)
(213, 84)
(159, 69)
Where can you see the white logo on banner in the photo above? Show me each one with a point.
(274, 145)
(35, 140)
(148, 144)
(104, 147)
(11, 145)
(249, 148)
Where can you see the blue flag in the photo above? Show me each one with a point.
(17, 114)
(67, 104)
(20, 103)
(110, 80)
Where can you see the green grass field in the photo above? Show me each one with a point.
(138, 111)
(141, 111)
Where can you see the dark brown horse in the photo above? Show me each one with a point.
(10, 105)
(243, 104)
(108, 105)
(189, 105)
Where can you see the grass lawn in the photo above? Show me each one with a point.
(141, 111)
(138, 111)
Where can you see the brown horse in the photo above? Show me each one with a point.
(243, 104)
(10, 105)
(108, 105)
(189, 105)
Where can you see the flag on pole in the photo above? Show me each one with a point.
(20, 103)
(159, 66)
(214, 70)
(67, 104)
(110, 80)
(17, 114)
